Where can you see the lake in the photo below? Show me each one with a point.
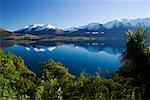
(77, 56)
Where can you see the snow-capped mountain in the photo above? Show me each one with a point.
(40, 29)
(109, 29)
(112, 28)
(128, 23)
(115, 23)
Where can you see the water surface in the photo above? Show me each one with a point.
(76, 56)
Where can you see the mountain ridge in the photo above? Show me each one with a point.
(86, 30)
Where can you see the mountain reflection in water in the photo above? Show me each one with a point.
(76, 56)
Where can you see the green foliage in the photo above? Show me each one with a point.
(6, 92)
(15, 78)
(135, 55)
(136, 59)
(39, 92)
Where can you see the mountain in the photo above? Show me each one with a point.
(115, 23)
(40, 29)
(5, 33)
(115, 28)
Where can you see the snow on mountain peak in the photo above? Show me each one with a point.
(33, 26)
(71, 29)
(110, 24)
(50, 26)
(26, 26)
(93, 26)
(90, 26)
(40, 25)
(36, 25)
(128, 23)
(145, 22)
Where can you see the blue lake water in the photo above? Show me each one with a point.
(87, 56)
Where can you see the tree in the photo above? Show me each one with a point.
(135, 46)
(136, 57)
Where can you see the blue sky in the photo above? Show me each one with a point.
(16, 14)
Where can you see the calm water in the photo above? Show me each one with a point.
(76, 56)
